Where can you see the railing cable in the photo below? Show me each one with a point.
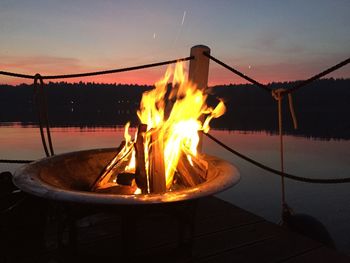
(263, 86)
(318, 76)
(16, 75)
(42, 105)
(288, 91)
(104, 72)
(272, 170)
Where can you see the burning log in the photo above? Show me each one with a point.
(191, 173)
(115, 166)
(125, 179)
(200, 165)
(140, 171)
(117, 189)
(176, 115)
(156, 159)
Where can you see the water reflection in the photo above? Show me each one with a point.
(258, 191)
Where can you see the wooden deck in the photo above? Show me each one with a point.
(222, 233)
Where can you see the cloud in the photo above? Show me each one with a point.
(50, 65)
(37, 62)
(45, 65)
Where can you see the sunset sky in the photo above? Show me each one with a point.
(268, 40)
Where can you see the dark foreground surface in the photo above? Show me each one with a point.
(205, 230)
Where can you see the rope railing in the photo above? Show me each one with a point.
(41, 102)
(235, 71)
(274, 171)
(95, 73)
(266, 87)
(42, 108)
(281, 93)
(318, 76)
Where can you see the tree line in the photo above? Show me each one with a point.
(322, 108)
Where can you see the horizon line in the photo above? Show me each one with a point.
(148, 85)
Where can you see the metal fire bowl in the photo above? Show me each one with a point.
(67, 177)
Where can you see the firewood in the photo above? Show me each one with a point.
(188, 174)
(117, 189)
(125, 178)
(157, 167)
(140, 171)
(115, 166)
(201, 165)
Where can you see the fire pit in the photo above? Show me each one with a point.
(68, 177)
(161, 164)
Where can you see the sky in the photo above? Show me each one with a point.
(269, 40)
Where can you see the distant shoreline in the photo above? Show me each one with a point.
(322, 108)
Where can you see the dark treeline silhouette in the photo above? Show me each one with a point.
(322, 108)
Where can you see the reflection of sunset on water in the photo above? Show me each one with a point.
(301, 155)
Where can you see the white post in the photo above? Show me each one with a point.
(198, 74)
(199, 66)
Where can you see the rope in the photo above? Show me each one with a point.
(292, 111)
(237, 72)
(43, 107)
(265, 87)
(277, 94)
(269, 169)
(317, 76)
(16, 75)
(15, 161)
(40, 98)
(104, 72)
(280, 132)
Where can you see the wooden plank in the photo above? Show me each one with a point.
(222, 222)
(209, 219)
(211, 244)
(320, 255)
(223, 233)
(275, 249)
(211, 207)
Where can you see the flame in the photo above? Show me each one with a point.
(127, 136)
(174, 119)
(130, 168)
(179, 130)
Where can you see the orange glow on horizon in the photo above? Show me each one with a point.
(217, 75)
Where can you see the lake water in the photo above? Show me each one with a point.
(258, 191)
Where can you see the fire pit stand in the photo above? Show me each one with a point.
(66, 179)
(180, 214)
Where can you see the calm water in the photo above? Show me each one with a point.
(258, 191)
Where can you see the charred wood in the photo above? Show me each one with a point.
(115, 166)
(140, 171)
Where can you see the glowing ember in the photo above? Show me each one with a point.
(164, 151)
